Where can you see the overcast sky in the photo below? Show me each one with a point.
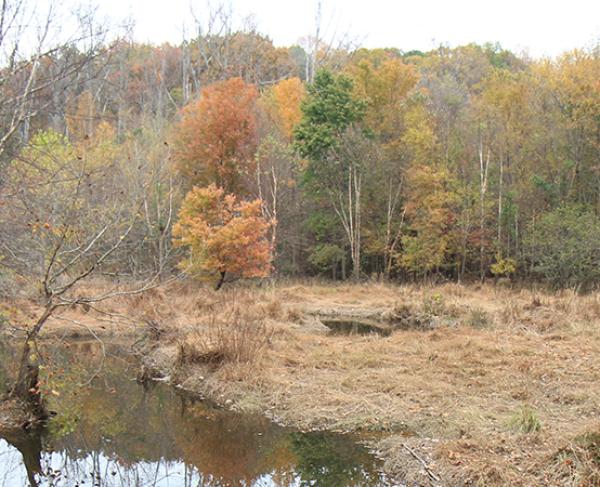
(540, 27)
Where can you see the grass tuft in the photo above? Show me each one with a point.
(526, 420)
(228, 339)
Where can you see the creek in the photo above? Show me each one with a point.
(111, 431)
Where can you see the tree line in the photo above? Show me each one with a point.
(226, 156)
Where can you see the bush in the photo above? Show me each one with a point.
(434, 304)
(478, 318)
(232, 338)
(325, 257)
(564, 247)
(503, 267)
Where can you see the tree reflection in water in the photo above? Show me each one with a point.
(118, 433)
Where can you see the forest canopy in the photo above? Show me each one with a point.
(470, 162)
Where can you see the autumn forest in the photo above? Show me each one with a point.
(227, 155)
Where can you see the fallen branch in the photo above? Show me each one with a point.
(430, 472)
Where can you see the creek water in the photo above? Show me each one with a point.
(111, 431)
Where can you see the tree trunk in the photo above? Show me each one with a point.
(221, 281)
(29, 445)
(500, 188)
(358, 223)
(484, 165)
(356, 262)
(25, 387)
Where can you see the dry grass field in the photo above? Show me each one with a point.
(476, 385)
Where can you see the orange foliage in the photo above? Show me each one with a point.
(216, 139)
(223, 234)
(282, 103)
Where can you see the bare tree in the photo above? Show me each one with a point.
(63, 220)
(484, 165)
(350, 164)
(40, 49)
(223, 48)
(213, 35)
(160, 192)
(276, 167)
(326, 46)
(394, 223)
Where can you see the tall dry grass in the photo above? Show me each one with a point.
(226, 338)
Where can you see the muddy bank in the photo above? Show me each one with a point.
(119, 318)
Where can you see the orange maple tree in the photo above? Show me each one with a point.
(223, 235)
(216, 139)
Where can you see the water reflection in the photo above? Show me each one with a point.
(118, 433)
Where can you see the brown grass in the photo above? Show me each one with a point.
(451, 393)
(227, 338)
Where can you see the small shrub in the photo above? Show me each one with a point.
(434, 304)
(478, 318)
(503, 267)
(564, 247)
(526, 420)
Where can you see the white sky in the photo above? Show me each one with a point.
(540, 27)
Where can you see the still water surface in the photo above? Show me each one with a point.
(115, 432)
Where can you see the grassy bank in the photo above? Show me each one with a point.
(475, 385)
